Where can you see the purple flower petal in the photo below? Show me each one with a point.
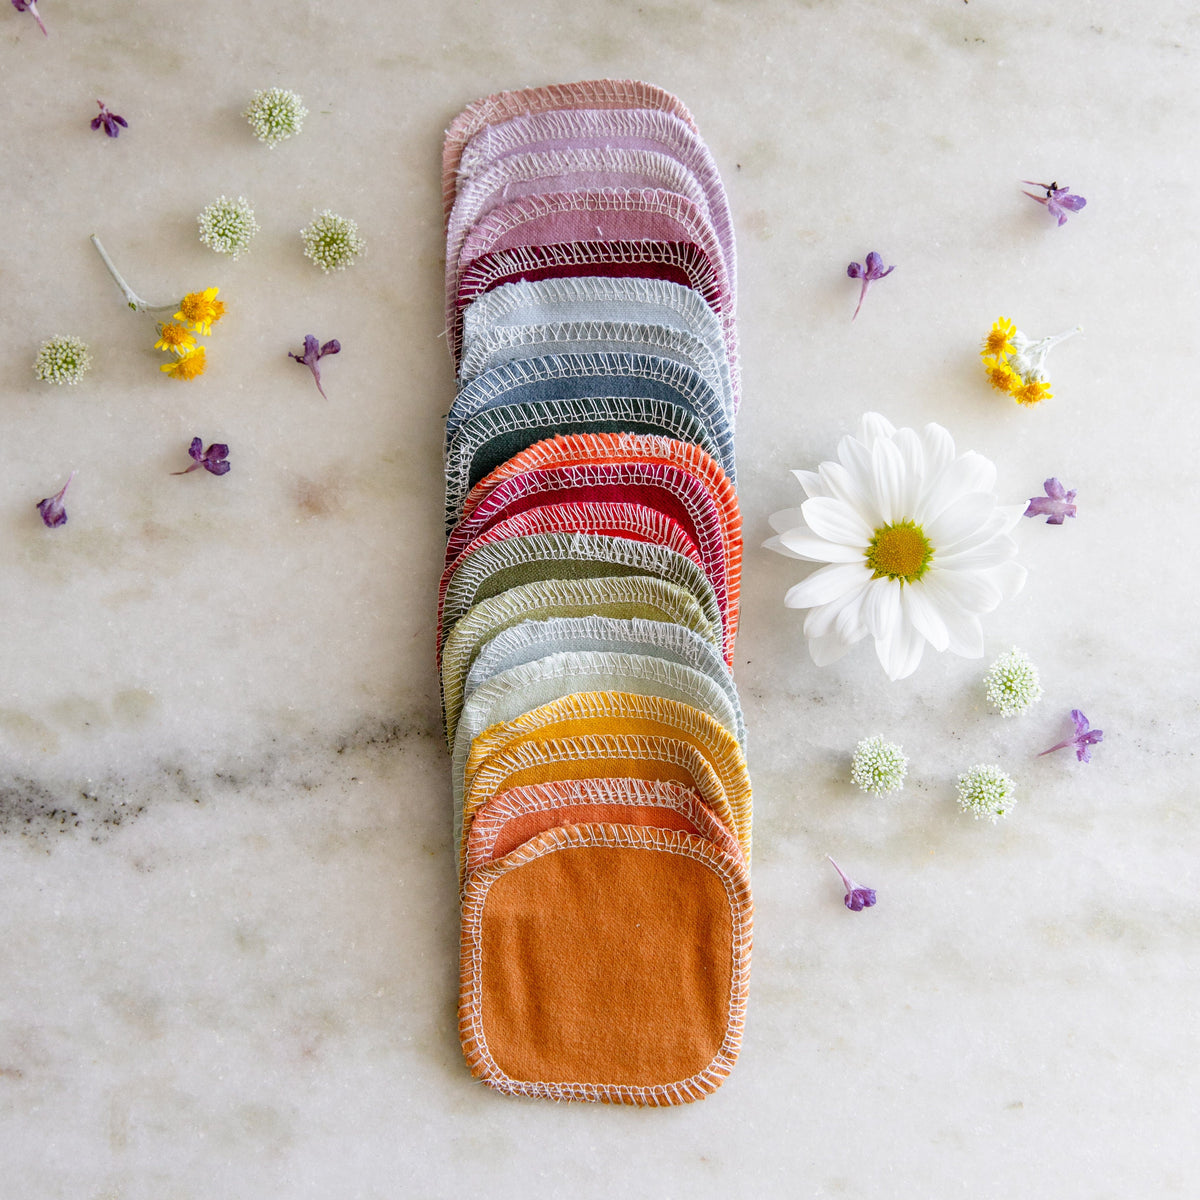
(874, 270)
(1057, 504)
(109, 120)
(212, 459)
(857, 897)
(313, 353)
(52, 509)
(1058, 200)
(1085, 738)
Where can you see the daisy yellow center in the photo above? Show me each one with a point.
(900, 551)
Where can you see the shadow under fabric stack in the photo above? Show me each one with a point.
(589, 603)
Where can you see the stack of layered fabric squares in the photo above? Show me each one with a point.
(589, 603)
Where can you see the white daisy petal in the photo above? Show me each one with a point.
(873, 427)
(1012, 514)
(939, 449)
(842, 617)
(969, 590)
(774, 543)
(826, 650)
(808, 546)
(901, 653)
(911, 451)
(881, 608)
(994, 526)
(1009, 577)
(826, 584)
(850, 625)
(970, 472)
(836, 521)
(842, 485)
(855, 457)
(924, 616)
(821, 620)
(810, 481)
(965, 634)
(887, 473)
(967, 515)
(785, 519)
(991, 553)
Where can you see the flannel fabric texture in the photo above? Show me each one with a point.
(589, 600)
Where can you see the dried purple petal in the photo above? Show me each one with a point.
(857, 897)
(1055, 505)
(1083, 741)
(109, 120)
(30, 6)
(53, 512)
(313, 353)
(1058, 200)
(869, 274)
(213, 460)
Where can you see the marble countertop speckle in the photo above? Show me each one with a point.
(228, 928)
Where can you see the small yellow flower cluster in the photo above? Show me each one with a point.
(198, 312)
(1013, 362)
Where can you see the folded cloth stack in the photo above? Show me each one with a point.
(589, 602)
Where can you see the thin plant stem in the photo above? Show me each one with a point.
(131, 297)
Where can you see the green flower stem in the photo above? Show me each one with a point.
(131, 297)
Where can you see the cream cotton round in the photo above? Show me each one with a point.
(915, 543)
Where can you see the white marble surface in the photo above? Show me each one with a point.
(227, 909)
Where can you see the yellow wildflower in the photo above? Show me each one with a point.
(187, 367)
(1000, 375)
(201, 309)
(1032, 391)
(999, 340)
(175, 339)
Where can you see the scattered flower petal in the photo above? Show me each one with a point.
(1058, 200)
(53, 512)
(109, 120)
(332, 242)
(986, 791)
(62, 360)
(313, 354)
(201, 310)
(174, 338)
(30, 6)
(857, 897)
(878, 767)
(916, 547)
(1012, 683)
(869, 274)
(275, 115)
(1056, 505)
(1015, 364)
(190, 366)
(1083, 741)
(227, 226)
(214, 459)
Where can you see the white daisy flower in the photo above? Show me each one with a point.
(916, 544)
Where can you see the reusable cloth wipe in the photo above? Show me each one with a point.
(598, 715)
(534, 639)
(598, 298)
(589, 600)
(513, 817)
(523, 689)
(606, 962)
(619, 597)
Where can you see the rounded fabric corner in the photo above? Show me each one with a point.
(606, 962)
